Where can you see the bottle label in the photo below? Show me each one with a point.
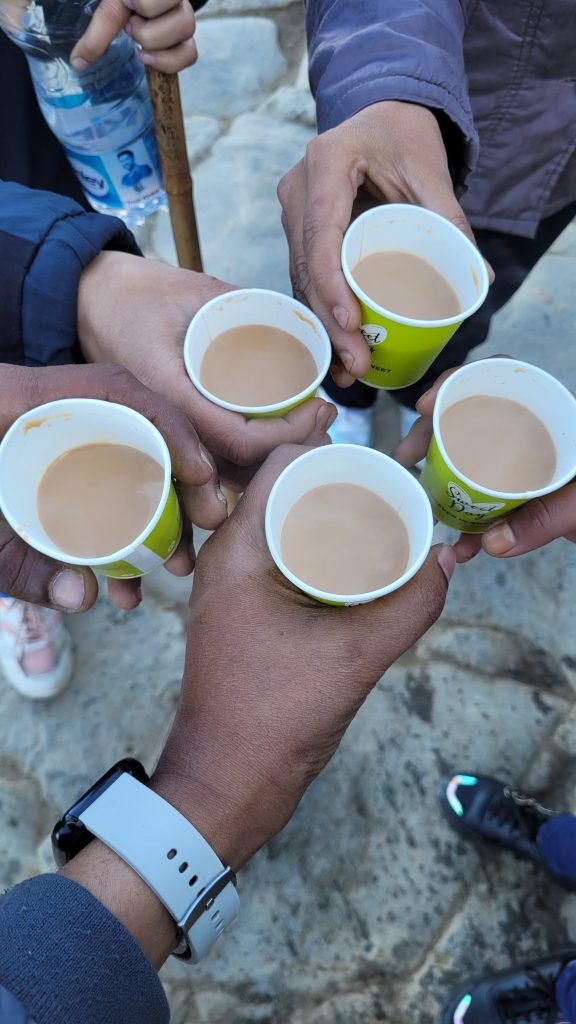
(122, 178)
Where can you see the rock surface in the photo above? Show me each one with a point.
(367, 909)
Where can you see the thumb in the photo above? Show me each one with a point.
(109, 18)
(534, 525)
(30, 576)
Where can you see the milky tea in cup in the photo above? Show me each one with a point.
(347, 524)
(256, 352)
(89, 482)
(504, 433)
(417, 278)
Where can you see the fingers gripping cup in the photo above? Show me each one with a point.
(486, 459)
(411, 250)
(46, 439)
(256, 352)
(349, 517)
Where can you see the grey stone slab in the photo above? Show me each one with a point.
(120, 702)
(523, 922)
(201, 134)
(291, 104)
(367, 874)
(565, 245)
(238, 213)
(240, 61)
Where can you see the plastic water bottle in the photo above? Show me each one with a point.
(102, 115)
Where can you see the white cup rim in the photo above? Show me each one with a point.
(465, 370)
(367, 596)
(61, 406)
(259, 410)
(397, 317)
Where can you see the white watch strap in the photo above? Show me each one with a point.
(170, 855)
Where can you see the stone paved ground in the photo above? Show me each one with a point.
(366, 909)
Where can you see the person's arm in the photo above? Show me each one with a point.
(532, 526)
(408, 50)
(46, 241)
(73, 286)
(395, 126)
(254, 726)
(30, 576)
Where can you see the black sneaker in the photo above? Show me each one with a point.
(487, 811)
(519, 995)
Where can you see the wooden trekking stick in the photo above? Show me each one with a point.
(169, 125)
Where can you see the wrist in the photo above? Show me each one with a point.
(232, 802)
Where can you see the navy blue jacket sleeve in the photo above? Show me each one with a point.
(410, 50)
(65, 959)
(46, 240)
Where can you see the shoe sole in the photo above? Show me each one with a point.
(459, 826)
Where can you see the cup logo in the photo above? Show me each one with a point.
(462, 502)
(374, 334)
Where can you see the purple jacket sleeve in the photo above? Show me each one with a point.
(371, 50)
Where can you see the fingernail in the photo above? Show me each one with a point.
(422, 397)
(79, 63)
(138, 593)
(447, 561)
(221, 496)
(347, 360)
(148, 58)
(326, 416)
(341, 316)
(67, 590)
(206, 458)
(128, 27)
(499, 540)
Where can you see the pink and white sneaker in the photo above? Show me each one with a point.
(35, 649)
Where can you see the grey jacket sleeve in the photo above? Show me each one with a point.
(371, 50)
(65, 959)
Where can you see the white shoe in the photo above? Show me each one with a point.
(351, 426)
(35, 649)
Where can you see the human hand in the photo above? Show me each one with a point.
(395, 151)
(135, 312)
(30, 576)
(272, 679)
(530, 527)
(163, 28)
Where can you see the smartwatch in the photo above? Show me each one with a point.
(162, 847)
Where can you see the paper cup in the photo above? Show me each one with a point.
(459, 501)
(403, 348)
(41, 435)
(257, 306)
(351, 464)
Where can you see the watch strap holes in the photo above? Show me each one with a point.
(193, 880)
(171, 854)
(183, 867)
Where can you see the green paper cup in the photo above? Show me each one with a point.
(351, 464)
(257, 306)
(404, 349)
(41, 435)
(459, 501)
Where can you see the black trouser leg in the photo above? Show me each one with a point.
(512, 259)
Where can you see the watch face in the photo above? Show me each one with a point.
(69, 835)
